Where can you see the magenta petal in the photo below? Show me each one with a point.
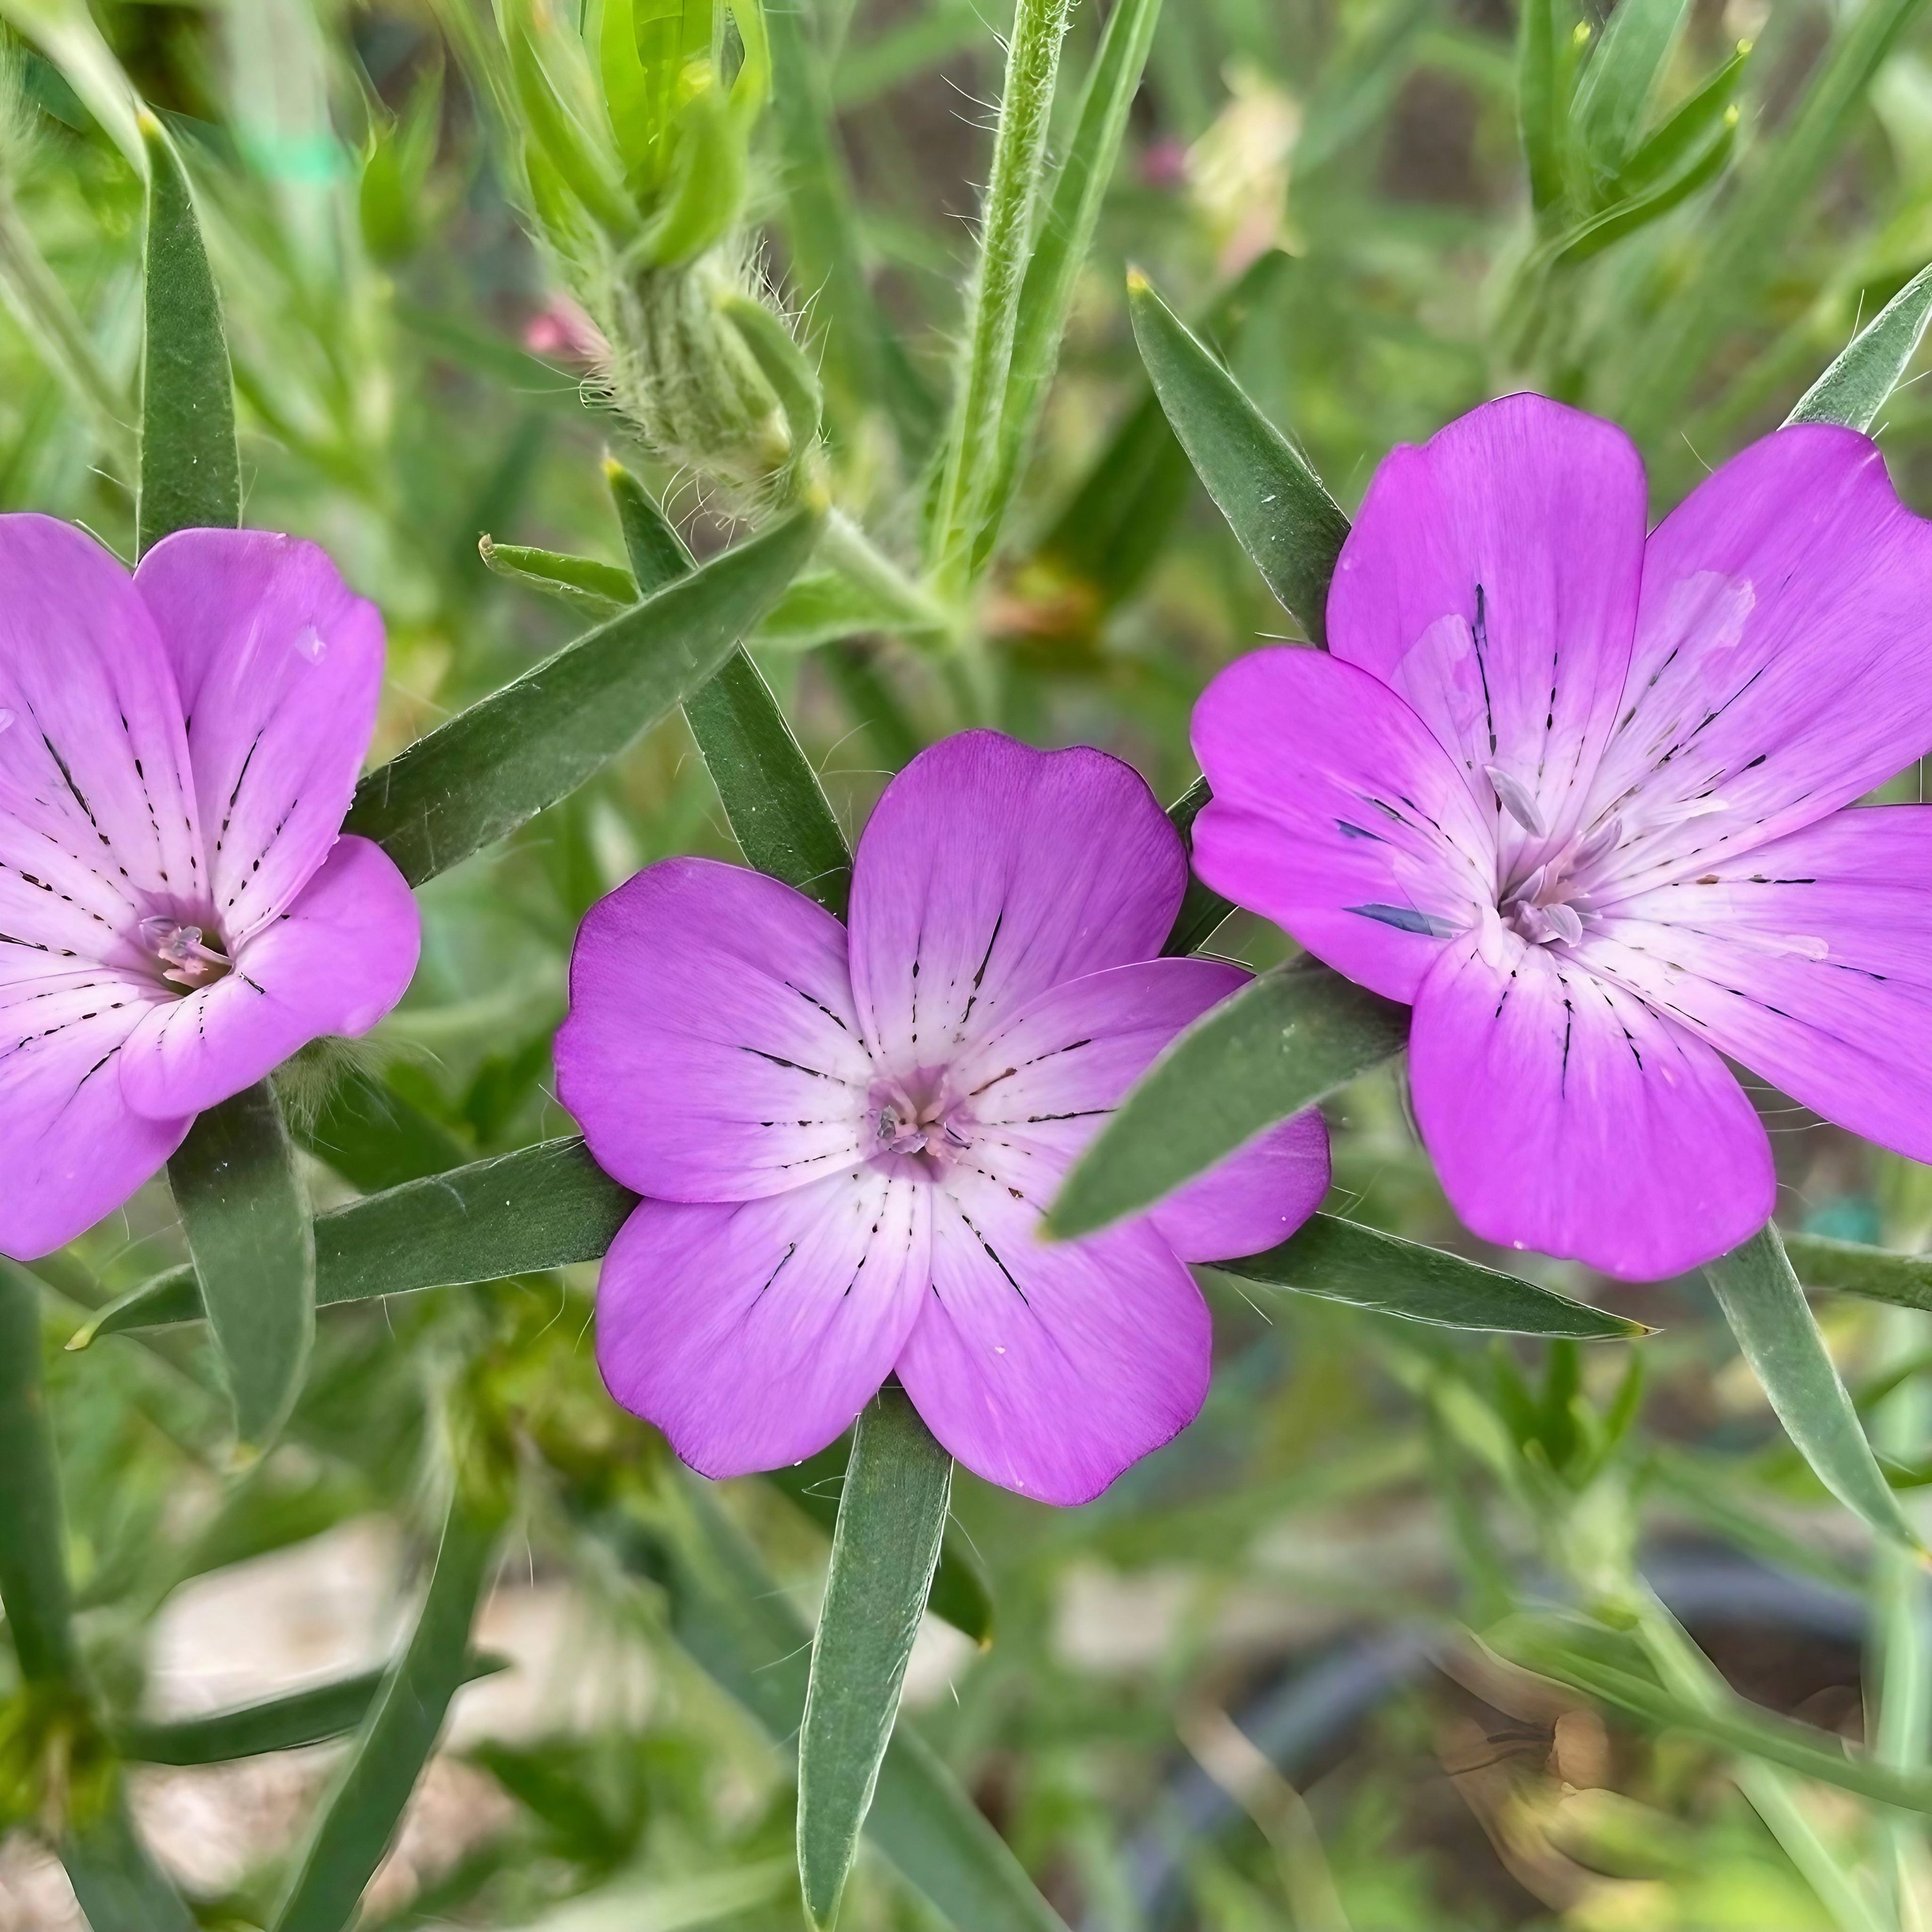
(1565, 1116)
(1809, 960)
(1043, 1082)
(752, 1333)
(1336, 815)
(1784, 659)
(988, 872)
(1049, 1369)
(70, 1152)
(280, 666)
(335, 963)
(712, 1052)
(1254, 1199)
(96, 815)
(1492, 579)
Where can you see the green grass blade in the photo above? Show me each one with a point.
(1853, 389)
(970, 472)
(250, 1232)
(1273, 502)
(1536, 95)
(116, 1882)
(372, 1137)
(1876, 1273)
(1343, 1260)
(361, 1814)
(1285, 1042)
(1613, 101)
(501, 762)
(885, 1550)
(310, 1716)
(1203, 911)
(190, 476)
(1730, 1722)
(1778, 1335)
(1743, 246)
(729, 1614)
(1066, 226)
(543, 1207)
(779, 812)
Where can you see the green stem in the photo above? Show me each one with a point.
(1019, 148)
(844, 545)
(1773, 1793)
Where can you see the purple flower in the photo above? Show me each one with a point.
(1578, 797)
(178, 913)
(845, 1149)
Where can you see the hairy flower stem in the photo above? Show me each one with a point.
(1006, 236)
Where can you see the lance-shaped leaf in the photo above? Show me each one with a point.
(1613, 101)
(1876, 1273)
(190, 476)
(1285, 1042)
(310, 1716)
(541, 1207)
(1343, 1260)
(248, 1221)
(728, 1613)
(595, 590)
(892, 1516)
(1273, 502)
(1852, 391)
(1778, 1335)
(504, 759)
(779, 811)
(362, 1813)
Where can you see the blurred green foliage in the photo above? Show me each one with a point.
(1380, 212)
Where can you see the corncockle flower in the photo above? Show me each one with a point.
(845, 1149)
(178, 913)
(1580, 797)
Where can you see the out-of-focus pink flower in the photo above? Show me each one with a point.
(561, 328)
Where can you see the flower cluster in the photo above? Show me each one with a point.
(1586, 795)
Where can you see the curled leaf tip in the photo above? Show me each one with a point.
(486, 546)
(1137, 284)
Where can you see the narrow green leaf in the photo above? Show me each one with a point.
(971, 471)
(823, 607)
(779, 815)
(1203, 911)
(1592, 237)
(1618, 85)
(541, 1207)
(310, 1716)
(1273, 502)
(1852, 391)
(1778, 1335)
(1536, 93)
(1688, 126)
(728, 1613)
(1066, 235)
(1343, 1260)
(503, 760)
(1741, 249)
(362, 1813)
(249, 1230)
(190, 474)
(599, 590)
(34, 1587)
(782, 364)
(655, 551)
(1729, 1722)
(1904, 1280)
(118, 1885)
(892, 1516)
(960, 1593)
(372, 1137)
(1286, 1041)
